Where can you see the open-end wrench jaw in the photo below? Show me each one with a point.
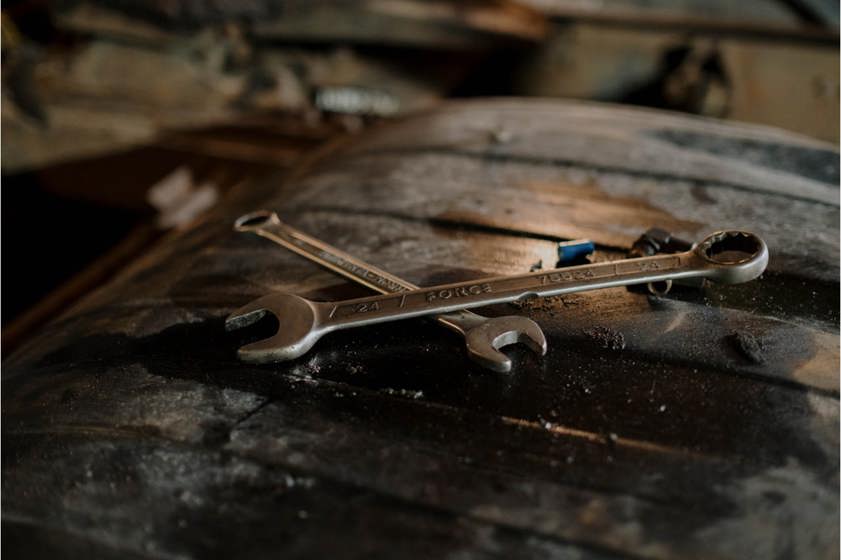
(297, 333)
(484, 341)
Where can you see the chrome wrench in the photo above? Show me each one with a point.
(728, 257)
(483, 336)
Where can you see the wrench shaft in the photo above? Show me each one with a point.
(333, 259)
(441, 299)
(344, 264)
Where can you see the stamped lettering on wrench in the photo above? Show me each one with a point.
(633, 266)
(458, 292)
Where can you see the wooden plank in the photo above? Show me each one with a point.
(568, 172)
(130, 425)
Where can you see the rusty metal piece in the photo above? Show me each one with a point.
(657, 240)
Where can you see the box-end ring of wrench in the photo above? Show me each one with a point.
(483, 336)
(728, 257)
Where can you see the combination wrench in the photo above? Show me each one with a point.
(728, 257)
(483, 336)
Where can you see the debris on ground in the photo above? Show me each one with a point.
(607, 338)
(748, 346)
(404, 393)
(550, 304)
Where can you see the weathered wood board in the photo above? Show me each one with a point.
(130, 429)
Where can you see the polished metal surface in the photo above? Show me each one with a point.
(727, 257)
(483, 336)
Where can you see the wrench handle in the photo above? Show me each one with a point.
(505, 289)
(726, 256)
(266, 224)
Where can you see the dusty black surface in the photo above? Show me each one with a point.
(708, 427)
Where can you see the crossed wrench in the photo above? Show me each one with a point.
(728, 257)
(483, 336)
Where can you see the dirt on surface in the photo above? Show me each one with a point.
(607, 338)
(748, 346)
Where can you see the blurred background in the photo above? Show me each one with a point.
(124, 119)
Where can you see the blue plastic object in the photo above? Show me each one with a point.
(576, 250)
